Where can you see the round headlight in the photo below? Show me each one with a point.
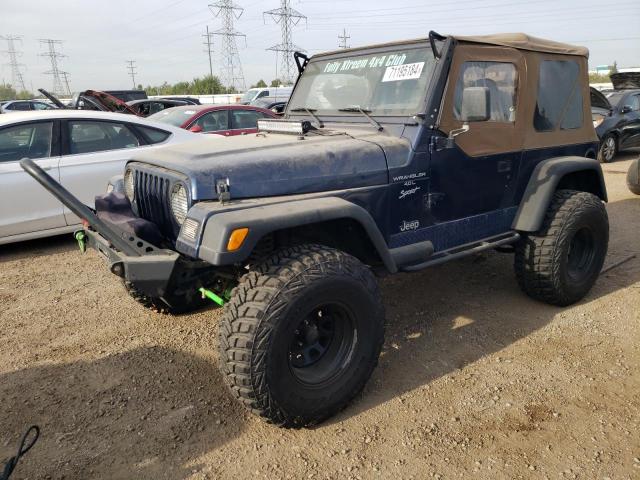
(129, 185)
(179, 203)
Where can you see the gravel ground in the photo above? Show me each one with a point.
(475, 380)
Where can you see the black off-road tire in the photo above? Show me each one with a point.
(560, 263)
(180, 304)
(633, 177)
(608, 148)
(261, 326)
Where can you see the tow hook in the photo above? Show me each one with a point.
(81, 238)
(211, 296)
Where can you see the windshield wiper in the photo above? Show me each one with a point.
(311, 114)
(365, 112)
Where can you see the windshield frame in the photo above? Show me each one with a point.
(356, 117)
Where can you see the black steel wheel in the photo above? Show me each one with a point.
(302, 334)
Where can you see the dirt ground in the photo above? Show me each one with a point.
(475, 380)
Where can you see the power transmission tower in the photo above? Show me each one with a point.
(65, 75)
(17, 81)
(343, 39)
(232, 75)
(55, 72)
(287, 17)
(131, 66)
(208, 42)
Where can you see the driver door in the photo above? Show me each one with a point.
(25, 206)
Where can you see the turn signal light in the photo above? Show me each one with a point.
(237, 239)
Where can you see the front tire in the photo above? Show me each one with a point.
(608, 149)
(302, 335)
(560, 263)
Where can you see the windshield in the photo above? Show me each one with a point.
(172, 116)
(385, 83)
(248, 96)
(614, 98)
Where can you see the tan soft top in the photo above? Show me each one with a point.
(521, 41)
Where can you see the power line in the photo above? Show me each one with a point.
(55, 72)
(131, 66)
(208, 42)
(343, 39)
(17, 80)
(232, 75)
(287, 17)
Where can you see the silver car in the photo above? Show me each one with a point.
(81, 149)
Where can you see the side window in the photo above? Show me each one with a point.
(89, 136)
(264, 93)
(634, 102)
(500, 78)
(214, 121)
(21, 106)
(153, 135)
(40, 106)
(559, 100)
(243, 119)
(25, 141)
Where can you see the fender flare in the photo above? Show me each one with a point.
(264, 219)
(544, 182)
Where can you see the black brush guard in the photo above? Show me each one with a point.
(148, 268)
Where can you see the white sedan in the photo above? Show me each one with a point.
(80, 149)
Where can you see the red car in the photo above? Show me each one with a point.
(224, 120)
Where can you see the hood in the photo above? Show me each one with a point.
(108, 102)
(599, 103)
(625, 80)
(273, 164)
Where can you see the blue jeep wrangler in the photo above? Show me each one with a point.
(390, 158)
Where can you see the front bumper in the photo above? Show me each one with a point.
(151, 272)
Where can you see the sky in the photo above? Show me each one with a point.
(165, 37)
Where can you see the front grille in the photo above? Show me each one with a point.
(152, 192)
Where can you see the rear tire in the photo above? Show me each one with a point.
(302, 335)
(633, 177)
(560, 263)
(608, 149)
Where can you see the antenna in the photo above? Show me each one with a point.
(17, 81)
(131, 66)
(287, 17)
(55, 71)
(343, 39)
(229, 11)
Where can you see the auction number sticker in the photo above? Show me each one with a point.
(403, 72)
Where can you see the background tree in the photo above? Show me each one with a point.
(261, 84)
(7, 92)
(275, 83)
(614, 68)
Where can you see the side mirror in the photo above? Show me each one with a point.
(625, 109)
(196, 129)
(475, 104)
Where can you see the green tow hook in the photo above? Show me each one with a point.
(81, 238)
(211, 296)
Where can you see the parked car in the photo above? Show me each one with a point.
(24, 105)
(188, 100)
(276, 106)
(91, 100)
(273, 93)
(83, 149)
(147, 107)
(227, 120)
(426, 151)
(616, 118)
